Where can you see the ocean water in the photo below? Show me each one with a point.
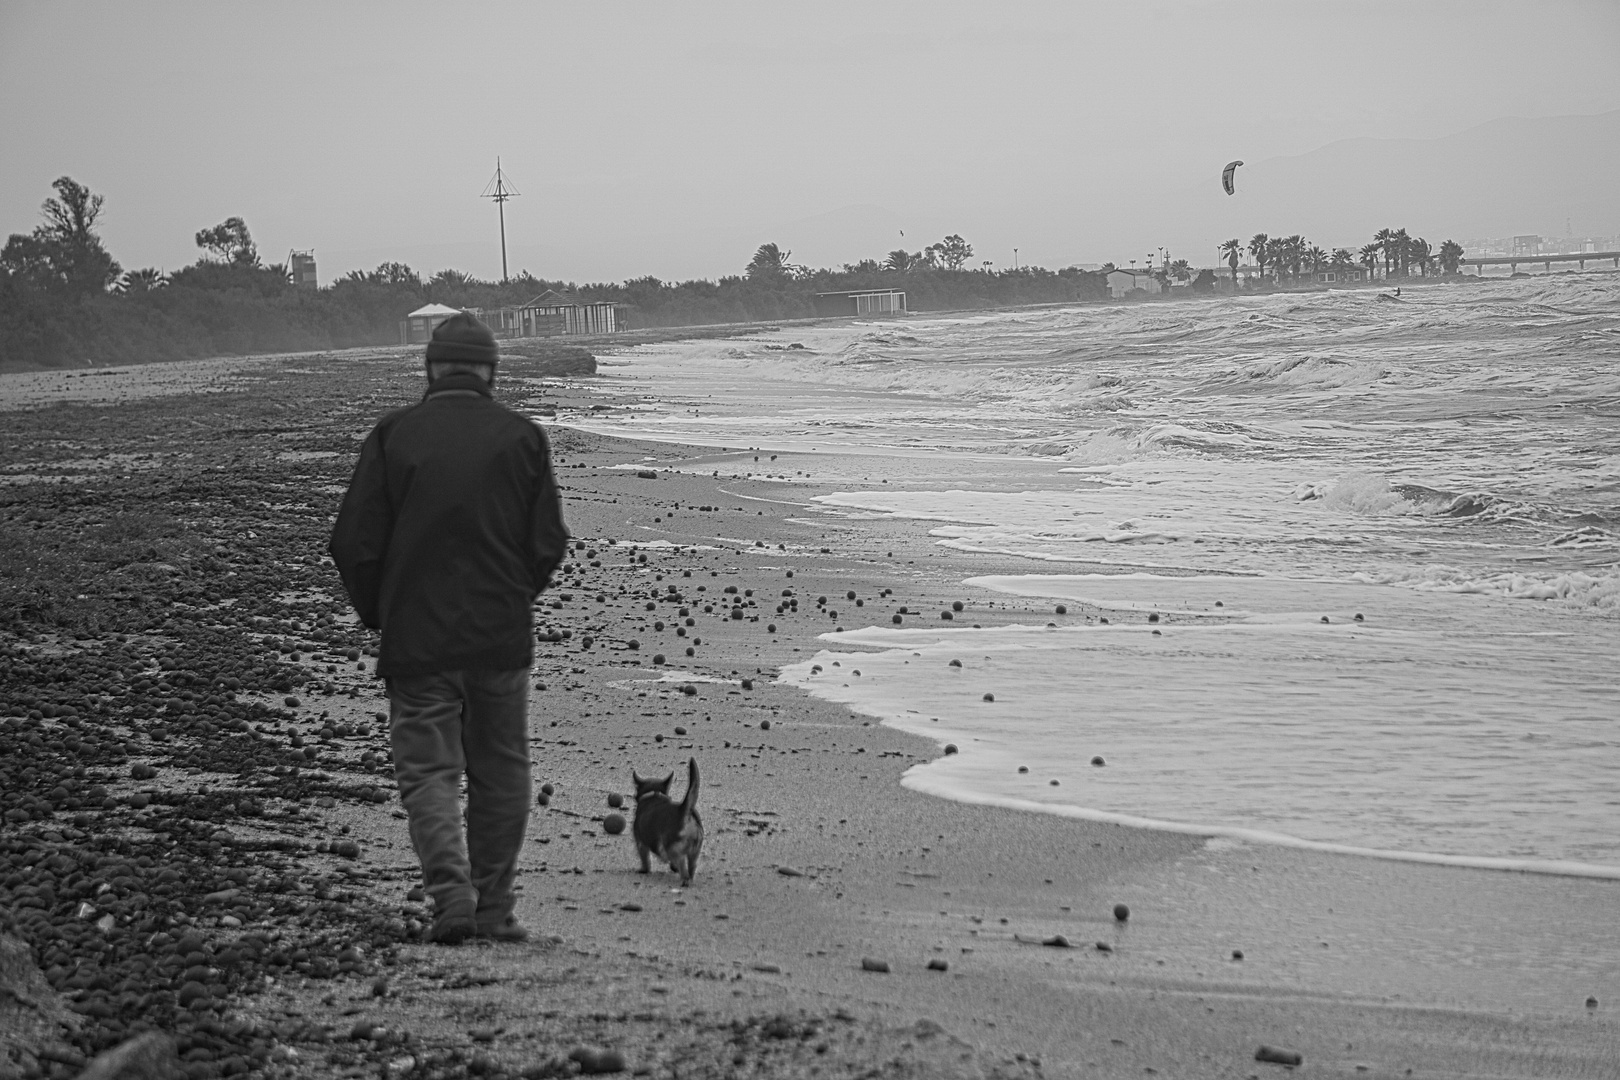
(1257, 472)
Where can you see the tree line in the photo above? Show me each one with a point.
(65, 300)
(1291, 256)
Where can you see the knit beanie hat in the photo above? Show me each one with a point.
(462, 337)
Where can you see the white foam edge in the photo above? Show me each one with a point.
(915, 780)
(673, 677)
(667, 543)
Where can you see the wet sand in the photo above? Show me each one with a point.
(817, 858)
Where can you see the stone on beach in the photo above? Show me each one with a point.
(613, 824)
(148, 1056)
(1121, 912)
(879, 966)
(1278, 1056)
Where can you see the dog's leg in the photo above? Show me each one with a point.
(646, 864)
(686, 870)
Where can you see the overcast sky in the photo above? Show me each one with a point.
(671, 139)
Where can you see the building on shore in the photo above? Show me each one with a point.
(552, 313)
(1122, 283)
(301, 269)
(1341, 275)
(417, 327)
(861, 302)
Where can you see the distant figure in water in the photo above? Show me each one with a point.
(451, 527)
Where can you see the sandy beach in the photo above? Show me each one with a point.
(992, 931)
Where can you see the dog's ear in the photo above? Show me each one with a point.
(635, 778)
(663, 785)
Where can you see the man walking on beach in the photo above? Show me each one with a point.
(451, 527)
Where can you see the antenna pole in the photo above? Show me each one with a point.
(498, 191)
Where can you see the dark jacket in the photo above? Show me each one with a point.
(451, 527)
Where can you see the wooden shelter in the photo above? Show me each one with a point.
(552, 313)
(861, 302)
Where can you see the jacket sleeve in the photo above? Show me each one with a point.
(364, 526)
(548, 536)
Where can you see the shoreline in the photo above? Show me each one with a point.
(818, 855)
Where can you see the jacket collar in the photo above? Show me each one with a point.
(462, 381)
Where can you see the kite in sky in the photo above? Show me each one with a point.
(1227, 174)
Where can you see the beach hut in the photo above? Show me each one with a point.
(861, 302)
(417, 327)
(552, 313)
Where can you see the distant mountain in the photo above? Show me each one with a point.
(1508, 176)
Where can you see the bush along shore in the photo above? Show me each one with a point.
(65, 301)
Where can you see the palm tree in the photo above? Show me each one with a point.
(1233, 250)
(769, 261)
(1451, 254)
(1385, 239)
(139, 281)
(901, 260)
(1403, 248)
(1296, 253)
(1317, 257)
(1369, 259)
(1258, 247)
(1277, 256)
(1421, 253)
(1181, 270)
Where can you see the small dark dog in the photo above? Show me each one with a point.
(672, 831)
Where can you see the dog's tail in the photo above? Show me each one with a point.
(691, 789)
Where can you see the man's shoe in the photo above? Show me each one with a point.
(452, 929)
(508, 929)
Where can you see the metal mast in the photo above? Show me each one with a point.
(498, 190)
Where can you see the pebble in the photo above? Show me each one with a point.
(613, 824)
(950, 748)
(955, 663)
(1098, 760)
(1237, 954)
(1154, 617)
(1023, 768)
(989, 697)
(956, 605)
(1121, 912)
(764, 725)
(938, 965)
(748, 684)
(1061, 609)
(615, 800)
(869, 964)
(597, 1062)
(1592, 1002)
(1278, 1056)
(680, 731)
